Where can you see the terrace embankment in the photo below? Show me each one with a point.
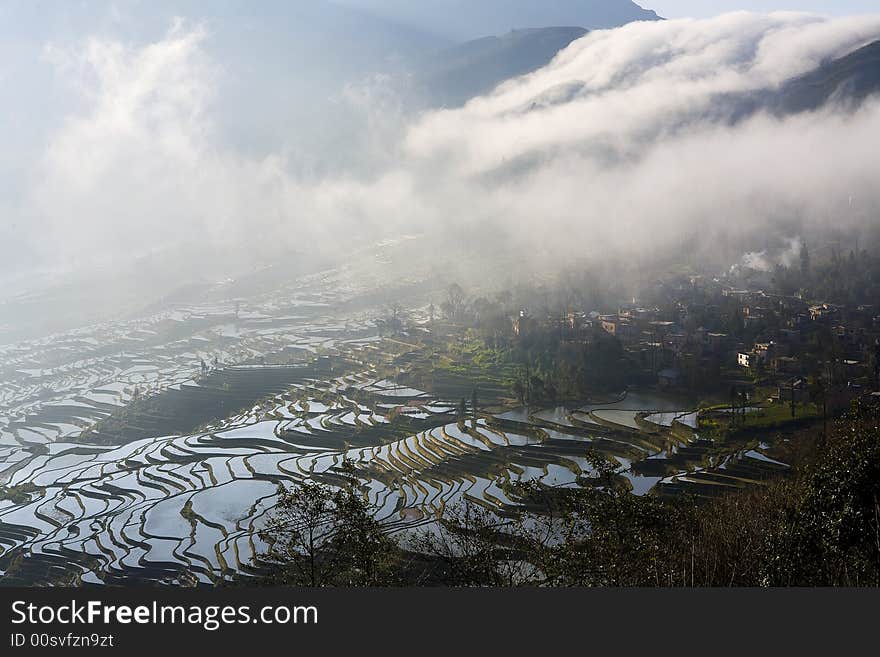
(183, 410)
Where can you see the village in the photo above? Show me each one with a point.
(701, 335)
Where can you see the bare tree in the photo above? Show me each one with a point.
(472, 546)
(320, 535)
(454, 304)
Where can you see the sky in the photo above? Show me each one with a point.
(466, 19)
(706, 8)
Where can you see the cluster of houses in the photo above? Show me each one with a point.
(845, 342)
(661, 346)
(780, 339)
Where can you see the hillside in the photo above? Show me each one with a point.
(849, 80)
(457, 74)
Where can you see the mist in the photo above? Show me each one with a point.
(624, 146)
(257, 260)
(618, 143)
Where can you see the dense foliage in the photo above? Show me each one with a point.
(321, 535)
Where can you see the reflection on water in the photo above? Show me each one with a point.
(558, 415)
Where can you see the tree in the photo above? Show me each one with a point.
(876, 364)
(474, 407)
(395, 318)
(536, 389)
(819, 395)
(832, 533)
(320, 535)
(472, 546)
(462, 411)
(805, 261)
(519, 389)
(482, 309)
(504, 299)
(759, 371)
(734, 395)
(454, 304)
(610, 537)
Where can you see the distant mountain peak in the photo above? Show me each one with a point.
(467, 19)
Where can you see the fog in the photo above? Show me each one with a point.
(622, 147)
(615, 144)
(152, 92)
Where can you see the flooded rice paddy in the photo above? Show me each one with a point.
(152, 450)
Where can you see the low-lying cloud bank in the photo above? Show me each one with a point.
(623, 145)
(625, 141)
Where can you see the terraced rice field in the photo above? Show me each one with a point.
(183, 508)
(151, 450)
(187, 508)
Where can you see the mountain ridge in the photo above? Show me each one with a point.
(849, 79)
(465, 20)
(456, 74)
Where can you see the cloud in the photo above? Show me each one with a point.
(142, 166)
(636, 81)
(622, 145)
(138, 164)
